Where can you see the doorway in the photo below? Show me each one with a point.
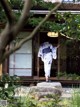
(42, 37)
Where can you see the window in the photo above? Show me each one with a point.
(67, 0)
(72, 1)
(20, 63)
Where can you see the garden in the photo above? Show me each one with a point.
(67, 24)
(9, 99)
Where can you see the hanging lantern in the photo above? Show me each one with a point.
(53, 1)
(52, 34)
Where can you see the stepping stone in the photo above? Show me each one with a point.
(50, 84)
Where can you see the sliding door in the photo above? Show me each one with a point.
(20, 63)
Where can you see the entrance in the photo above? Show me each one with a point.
(38, 64)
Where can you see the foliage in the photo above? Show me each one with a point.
(67, 23)
(75, 100)
(16, 4)
(7, 86)
(28, 101)
(54, 102)
(70, 76)
(2, 15)
(44, 5)
(31, 102)
(7, 78)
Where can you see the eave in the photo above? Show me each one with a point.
(70, 6)
(59, 11)
(74, 8)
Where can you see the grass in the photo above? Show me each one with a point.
(75, 100)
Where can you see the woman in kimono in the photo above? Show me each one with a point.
(47, 53)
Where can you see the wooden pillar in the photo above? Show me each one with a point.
(5, 68)
(59, 54)
(38, 64)
(38, 67)
(0, 70)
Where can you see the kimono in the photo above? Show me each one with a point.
(47, 53)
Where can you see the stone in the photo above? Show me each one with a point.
(39, 92)
(50, 84)
(46, 89)
(21, 91)
(3, 103)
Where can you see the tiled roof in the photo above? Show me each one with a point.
(64, 6)
(70, 6)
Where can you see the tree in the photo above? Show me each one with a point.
(12, 28)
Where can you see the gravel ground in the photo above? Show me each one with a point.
(67, 92)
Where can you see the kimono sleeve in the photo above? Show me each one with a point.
(54, 53)
(40, 54)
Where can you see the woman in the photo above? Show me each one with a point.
(47, 53)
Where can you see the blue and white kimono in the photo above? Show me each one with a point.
(47, 53)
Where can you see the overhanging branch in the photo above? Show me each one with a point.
(39, 25)
(18, 45)
(8, 11)
(71, 38)
(24, 16)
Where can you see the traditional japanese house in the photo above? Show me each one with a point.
(25, 63)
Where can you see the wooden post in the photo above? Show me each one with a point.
(38, 67)
(0, 71)
(38, 64)
(59, 54)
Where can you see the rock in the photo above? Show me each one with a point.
(21, 91)
(39, 92)
(50, 84)
(46, 89)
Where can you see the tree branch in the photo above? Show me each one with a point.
(4, 36)
(24, 16)
(68, 37)
(10, 32)
(7, 53)
(8, 11)
(18, 45)
(39, 25)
